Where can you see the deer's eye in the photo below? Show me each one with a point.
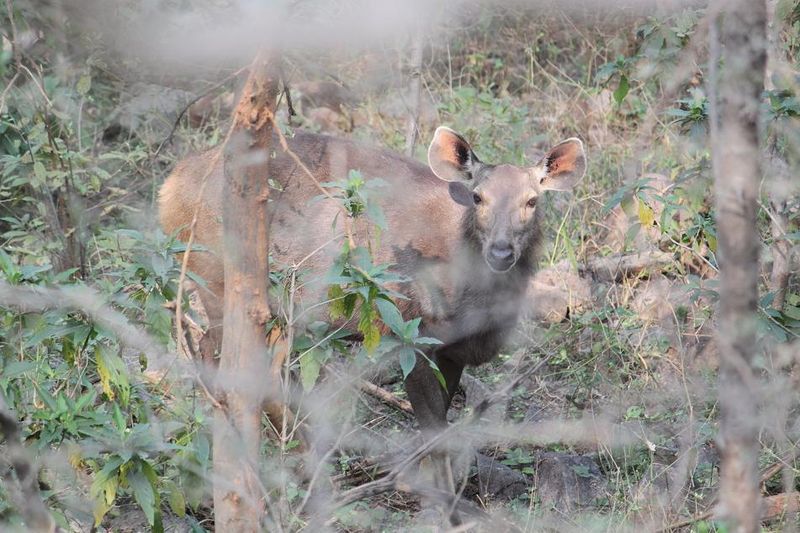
(476, 198)
(532, 202)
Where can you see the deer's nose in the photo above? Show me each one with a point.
(501, 250)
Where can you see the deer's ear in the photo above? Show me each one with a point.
(450, 156)
(563, 166)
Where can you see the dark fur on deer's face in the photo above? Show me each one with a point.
(502, 199)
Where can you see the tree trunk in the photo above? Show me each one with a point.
(735, 145)
(243, 368)
(414, 93)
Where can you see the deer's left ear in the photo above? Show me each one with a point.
(562, 167)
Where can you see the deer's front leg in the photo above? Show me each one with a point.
(431, 401)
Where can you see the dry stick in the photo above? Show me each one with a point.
(385, 396)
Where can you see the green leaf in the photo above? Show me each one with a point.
(791, 311)
(391, 316)
(8, 267)
(112, 371)
(582, 471)
(427, 340)
(17, 368)
(175, 498)
(622, 89)
(310, 364)
(368, 328)
(84, 84)
(372, 337)
(144, 493)
(438, 374)
(118, 418)
(40, 173)
(336, 307)
(407, 360)
(606, 71)
(104, 488)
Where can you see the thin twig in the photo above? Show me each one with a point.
(190, 104)
(345, 216)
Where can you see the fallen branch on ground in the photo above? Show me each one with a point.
(618, 266)
(385, 396)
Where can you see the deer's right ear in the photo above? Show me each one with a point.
(450, 156)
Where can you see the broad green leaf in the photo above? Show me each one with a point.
(40, 173)
(391, 316)
(143, 493)
(17, 368)
(310, 364)
(109, 469)
(791, 311)
(622, 89)
(176, 499)
(407, 360)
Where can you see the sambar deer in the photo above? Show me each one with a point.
(462, 232)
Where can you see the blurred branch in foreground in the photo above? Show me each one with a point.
(26, 496)
(737, 174)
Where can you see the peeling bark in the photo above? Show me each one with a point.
(244, 362)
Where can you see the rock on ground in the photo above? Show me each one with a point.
(499, 481)
(556, 293)
(569, 482)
